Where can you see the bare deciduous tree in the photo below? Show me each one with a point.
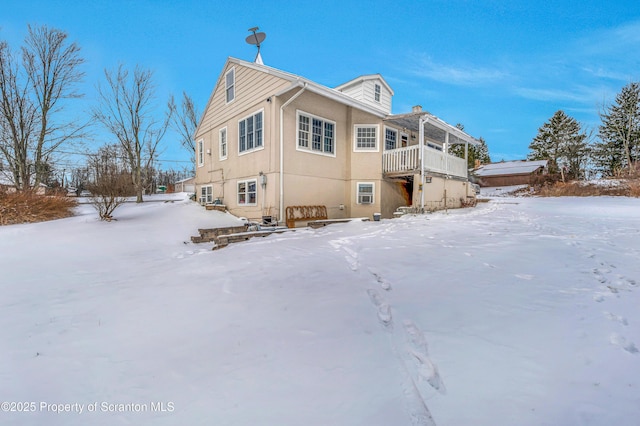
(111, 183)
(128, 112)
(32, 94)
(185, 121)
(17, 118)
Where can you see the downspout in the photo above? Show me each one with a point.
(421, 136)
(282, 107)
(466, 159)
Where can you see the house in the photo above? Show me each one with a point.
(269, 139)
(186, 185)
(6, 183)
(509, 173)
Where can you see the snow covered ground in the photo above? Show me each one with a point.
(521, 311)
(500, 191)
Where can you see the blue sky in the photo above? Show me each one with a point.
(501, 68)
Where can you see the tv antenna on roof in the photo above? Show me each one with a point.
(256, 39)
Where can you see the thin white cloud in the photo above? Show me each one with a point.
(611, 42)
(549, 94)
(609, 74)
(457, 75)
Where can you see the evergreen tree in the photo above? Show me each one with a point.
(619, 146)
(562, 142)
(479, 152)
(482, 152)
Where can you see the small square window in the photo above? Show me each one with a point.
(365, 193)
(366, 138)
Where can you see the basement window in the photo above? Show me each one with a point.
(247, 192)
(365, 192)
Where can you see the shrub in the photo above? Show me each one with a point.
(628, 188)
(109, 192)
(29, 207)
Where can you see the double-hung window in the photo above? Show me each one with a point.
(247, 192)
(365, 193)
(206, 194)
(200, 153)
(316, 134)
(376, 95)
(223, 143)
(390, 138)
(366, 138)
(230, 84)
(250, 133)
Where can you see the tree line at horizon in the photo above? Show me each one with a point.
(613, 150)
(37, 85)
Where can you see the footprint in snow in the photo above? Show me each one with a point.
(427, 370)
(525, 277)
(351, 258)
(383, 283)
(383, 308)
(618, 318)
(622, 341)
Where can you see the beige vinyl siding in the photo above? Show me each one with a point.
(356, 91)
(364, 91)
(252, 88)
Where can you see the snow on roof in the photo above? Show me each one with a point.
(520, 167)
(185, 179)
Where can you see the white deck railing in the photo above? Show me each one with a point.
(408, 158)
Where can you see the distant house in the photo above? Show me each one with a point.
(186, 185)
(6, 183)
(509, 173)
(269, 139)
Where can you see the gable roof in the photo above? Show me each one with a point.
(502, 168)
(296, 82)
(362, 78)
(412, 118)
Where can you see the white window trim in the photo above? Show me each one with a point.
(254, 149)
(355, 138)
(377, 92)
(200, 152)
(310, 150)
(384, 131)
(246, 182)
(226, 88)
(406, 136)
(373, 193)
(209, 194)
(226, 142)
